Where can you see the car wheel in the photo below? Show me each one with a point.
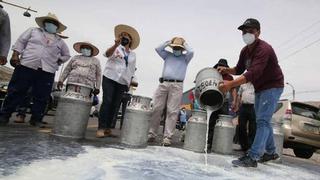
(303, 153)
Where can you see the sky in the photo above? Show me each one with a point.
(292, 27)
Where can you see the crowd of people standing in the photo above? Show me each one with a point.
(39, 51)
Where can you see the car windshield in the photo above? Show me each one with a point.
(306, 110)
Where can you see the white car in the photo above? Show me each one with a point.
(301, 123)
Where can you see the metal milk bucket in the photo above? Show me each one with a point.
(207, 91)
(223, 135)
(78, 91)
(278, 135)
(137, 118)
(140, 102)
(196, 130)
(73, 112)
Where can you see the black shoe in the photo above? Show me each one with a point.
(37, 124)
(245, 161)
(4, 120)
(268, 157)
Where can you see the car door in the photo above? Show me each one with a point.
(305, 121)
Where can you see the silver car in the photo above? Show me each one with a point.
(301, 123)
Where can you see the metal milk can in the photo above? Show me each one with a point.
(207, 88)
(136, 122)
(72, 114)
(223, 135)
(196, 130)
(278, 135)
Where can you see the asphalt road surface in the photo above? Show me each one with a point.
(31, 153)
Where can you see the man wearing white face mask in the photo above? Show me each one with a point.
(264, 72)
(84, 68)
(169, 92)
(37, 54)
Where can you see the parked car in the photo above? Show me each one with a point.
(301, 123)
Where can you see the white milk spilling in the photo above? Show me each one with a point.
(151, 163)
(209, 112)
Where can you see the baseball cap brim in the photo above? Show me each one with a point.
(245, 26)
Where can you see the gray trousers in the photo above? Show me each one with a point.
(168, 94)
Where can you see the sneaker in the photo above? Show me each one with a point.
(243, 157)
(100, 133)
(151, 138)
(268, 157)
(19, 119)
(4, 120)
(166, 141)
(245, 161)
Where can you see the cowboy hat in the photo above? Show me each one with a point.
(50, 16)
(77, 47)
(177, 42)
(131, 31)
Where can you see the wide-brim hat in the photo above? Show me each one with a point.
(221, 62)
(131, 31)
(77, 47)
(50, 16)
(177, 42)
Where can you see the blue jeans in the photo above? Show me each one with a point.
(265, 104)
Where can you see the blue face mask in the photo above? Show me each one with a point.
(85, 52)
(177, 53)
(50, 27)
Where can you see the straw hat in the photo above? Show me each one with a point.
(177, 42)
(77, 47)
(50, 16)
(131, 31)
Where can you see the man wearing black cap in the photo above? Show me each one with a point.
(229, 103)
(232, 94)
(264, 72)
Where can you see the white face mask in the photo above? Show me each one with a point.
(85, 52)
(248, 38)
(177, 53)
(50, 27)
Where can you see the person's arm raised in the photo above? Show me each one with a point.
(111, 50)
